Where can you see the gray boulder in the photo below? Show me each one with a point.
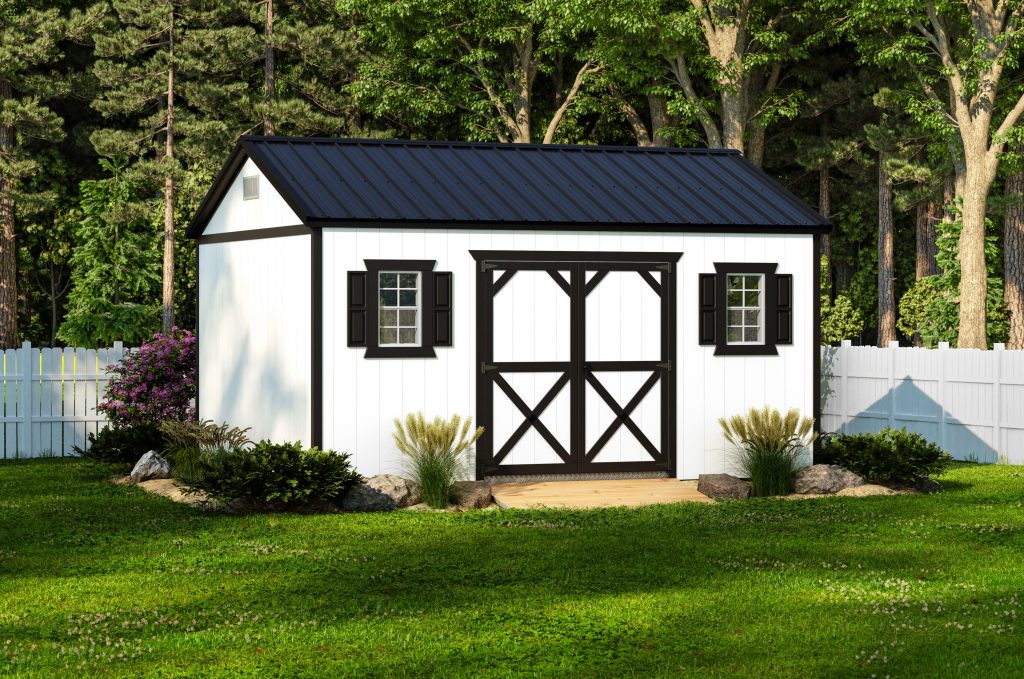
(150, 466)
(724, 487)
(824, 479)
(365, 498)
(471, 494)
(404, 492)
(923, 484)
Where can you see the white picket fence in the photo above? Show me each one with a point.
(50, 397)
(970, 402)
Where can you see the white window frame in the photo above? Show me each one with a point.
(398, 308)
(744, 309)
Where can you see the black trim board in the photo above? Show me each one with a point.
(571, 257)
(317, 340)
(816, 336)
(257, 234)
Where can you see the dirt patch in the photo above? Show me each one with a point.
(172, 490)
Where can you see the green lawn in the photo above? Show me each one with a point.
(102, 580)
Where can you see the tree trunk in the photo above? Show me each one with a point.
(661, 121)
(825, 207)
(522, 95)
(733, 115)
(168, 270)
(1013, 259)
(928, 214)
(972, 331)
(268, 68)
(8, 259)
(886, 275)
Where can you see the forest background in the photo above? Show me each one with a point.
(896, 119)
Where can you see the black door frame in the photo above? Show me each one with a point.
(577, 372)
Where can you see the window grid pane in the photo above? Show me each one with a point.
(398, 317)
(744, 317)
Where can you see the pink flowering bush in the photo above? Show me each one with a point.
(156, 382)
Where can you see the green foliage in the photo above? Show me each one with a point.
(891, 455)
(839, 319)
(434, 451)
(122, 445)
(931, 306)
(769, 447)
(115, 266)
(189, 444)
(277, 476)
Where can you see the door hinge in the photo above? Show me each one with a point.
(665, 267)
(487, 266)
(667, 365)
(487, 367)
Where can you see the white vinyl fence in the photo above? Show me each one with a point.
(970, 402)
(49, 398)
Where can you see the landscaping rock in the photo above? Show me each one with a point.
(866, 490)
(723, 487)
(150, 466)
(366, 498)
(471, 494)
(923, 484)
(822, 479)
(404, 492)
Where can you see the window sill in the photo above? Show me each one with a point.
(400, 352)
(746, 350)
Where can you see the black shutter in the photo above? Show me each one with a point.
(442, 309)
(706, 324)
(784, 309)
(357, 308)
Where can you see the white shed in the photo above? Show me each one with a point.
(596, 309)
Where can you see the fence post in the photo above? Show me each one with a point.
(943, 399)
(25, 400)
(844, 348)
(997, 406)
(891, 351)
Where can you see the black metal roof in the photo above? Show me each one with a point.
(454, 184)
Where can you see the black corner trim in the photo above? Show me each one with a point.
(722, 348)
(816, 338)
(317, 333)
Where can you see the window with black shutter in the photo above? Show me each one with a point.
(745, 309)
(399, 308)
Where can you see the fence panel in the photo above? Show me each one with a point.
(49, 398)
(970, 402)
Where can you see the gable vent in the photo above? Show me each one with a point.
(251, 187)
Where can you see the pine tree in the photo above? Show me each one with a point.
(28, 45)
(114, 266)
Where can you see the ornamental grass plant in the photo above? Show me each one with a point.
(189, 445)
(434, 451)
(769, 447)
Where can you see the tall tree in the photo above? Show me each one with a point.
(886, 256)
(957, 52)
(1013, 259)
(28, 46)
(137, 71)
(478, 60)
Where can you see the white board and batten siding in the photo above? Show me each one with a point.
(969, 402)
(49, 398)
(255, 319)
(361, 396)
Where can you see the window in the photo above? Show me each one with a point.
(745, 309)
(398, 295)
(251, 187)
(744, 305)
(399, 308)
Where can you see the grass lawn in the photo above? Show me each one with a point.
(100, 580)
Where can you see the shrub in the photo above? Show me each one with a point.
(276, 475)
(189, 444)
(891, 455)
(434, 450)
(153, 383)
(768, 447)
(122, 445)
